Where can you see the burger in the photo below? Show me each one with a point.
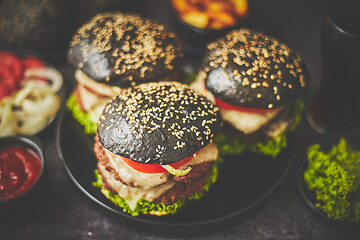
(114, 51)
(155, 148)
(257, 83)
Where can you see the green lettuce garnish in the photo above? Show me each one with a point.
(272, 147)
(82, 117)
(188, 78)
(334, 176)
(146, 207)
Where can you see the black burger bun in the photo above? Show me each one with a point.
(250, 69)
(158, 123)
(124, 49)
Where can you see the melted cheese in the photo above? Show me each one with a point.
(247, 122)
(101, 89)
(132, 177)
(277, 128)
(96, 99)
(243, 121)
(199, 86)
(133, 194)
(97, 110)
(208, 153)
(89, 100)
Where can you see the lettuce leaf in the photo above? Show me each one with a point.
(188, 78)
(144, 206)
(334, 176)
(82, 117)
(272, 147)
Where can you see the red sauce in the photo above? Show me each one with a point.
(19, 170)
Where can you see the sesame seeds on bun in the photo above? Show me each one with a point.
(158, 123)
(250, 69)
(124, 49)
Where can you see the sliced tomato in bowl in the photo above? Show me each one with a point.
(32, 62)
(8, 79)
(12, 63)
(8, 82)
(12, 69)
(4, 92)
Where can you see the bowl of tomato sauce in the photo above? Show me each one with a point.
(21, 167)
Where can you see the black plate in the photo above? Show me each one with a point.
(243, 183)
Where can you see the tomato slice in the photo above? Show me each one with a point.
(8, 79)
(12, 63)
(4, 92)
(153, 168)
(32, 62)
(227, 106)
(12, 71)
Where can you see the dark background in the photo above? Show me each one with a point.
(61, 211)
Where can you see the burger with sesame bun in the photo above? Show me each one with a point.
(114, 51)
(257, 83)
(155, 149)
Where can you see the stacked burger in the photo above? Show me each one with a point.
(257, 82)
(155, 138)
(155, 147)
(114, 51)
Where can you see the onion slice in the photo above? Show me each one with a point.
(7, 126)
(53, 75)
(177, 172)
(32, 107)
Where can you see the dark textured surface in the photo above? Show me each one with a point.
(158, 123)
(60, 212)
(36, 24)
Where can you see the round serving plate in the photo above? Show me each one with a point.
(244, 182)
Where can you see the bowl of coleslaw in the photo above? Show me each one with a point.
(31, 94)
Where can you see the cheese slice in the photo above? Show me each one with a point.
(243, 121)
(133, 194)
(96, 98)
(98, 88)
(248, 122)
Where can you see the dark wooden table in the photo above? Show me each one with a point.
(60, 211)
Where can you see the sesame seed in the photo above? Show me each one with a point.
(249, 53)
(132, 42)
